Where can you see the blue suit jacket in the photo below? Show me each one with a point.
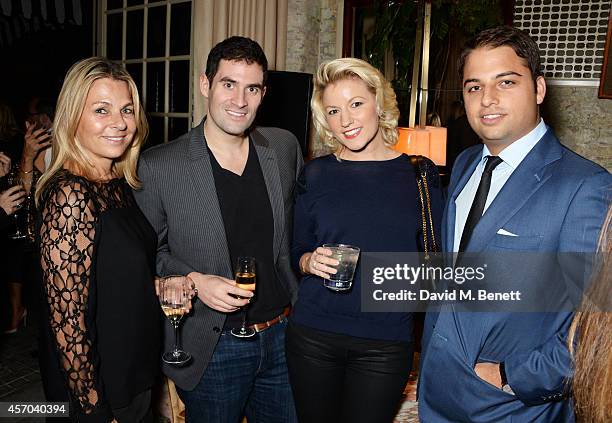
(555, 200)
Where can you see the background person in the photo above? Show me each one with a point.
(14, 264)
(592, 330)
(36, 155)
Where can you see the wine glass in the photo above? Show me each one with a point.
(245, 279)
(14, 179)
(174, 298)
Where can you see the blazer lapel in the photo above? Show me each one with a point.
(450, 213)
(200, 171)
(269, 168)
(526, 179)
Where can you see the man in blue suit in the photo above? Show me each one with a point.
(521, 191)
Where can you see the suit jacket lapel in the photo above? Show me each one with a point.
(269, 168)
(526, 179)
(450, 213)
(201, 174)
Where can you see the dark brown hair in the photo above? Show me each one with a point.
(236, 49)
(523, 45)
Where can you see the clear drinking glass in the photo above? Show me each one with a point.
(14, 179)
(174, 298)
(245, 279)
(347, 256)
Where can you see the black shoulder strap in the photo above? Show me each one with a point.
(427, 176)
(424, 167)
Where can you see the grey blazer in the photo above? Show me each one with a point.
(179, 198)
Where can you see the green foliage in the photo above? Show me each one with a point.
(396, 23)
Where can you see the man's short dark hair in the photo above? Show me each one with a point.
(236, 49)
(523, 45)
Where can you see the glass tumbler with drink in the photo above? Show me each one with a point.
(174, 298)
(347, 256)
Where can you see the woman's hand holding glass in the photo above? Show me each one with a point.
(11, 199)
(319, 263)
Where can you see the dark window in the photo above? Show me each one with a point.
(179, 86)
(114, 4)
(155, 87)
(180, 29)
(114, 27)
(156, 43)
(164, 82)
(177, 127)
(134, 33)
(156, 131)
(136, 71)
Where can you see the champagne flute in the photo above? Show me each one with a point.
(245, 279)
(174, 298)
(14, 179)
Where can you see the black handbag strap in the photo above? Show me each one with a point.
(426, 176)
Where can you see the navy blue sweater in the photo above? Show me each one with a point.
(372, 205)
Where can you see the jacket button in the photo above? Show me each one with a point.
(216, 329)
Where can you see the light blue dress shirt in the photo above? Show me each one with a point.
(512, 156)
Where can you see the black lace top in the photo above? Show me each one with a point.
(77, 277)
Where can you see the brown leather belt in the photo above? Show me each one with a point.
(265, 325)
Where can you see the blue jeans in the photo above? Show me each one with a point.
(245, 376)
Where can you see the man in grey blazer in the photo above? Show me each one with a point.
(222, 191)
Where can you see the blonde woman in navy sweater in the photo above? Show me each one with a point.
(346, 365)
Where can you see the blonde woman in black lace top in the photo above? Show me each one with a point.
(98, 252)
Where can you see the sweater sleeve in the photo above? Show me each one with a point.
(304, 238)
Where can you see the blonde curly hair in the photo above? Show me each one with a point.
(345, 68)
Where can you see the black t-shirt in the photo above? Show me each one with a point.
(249, 229)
